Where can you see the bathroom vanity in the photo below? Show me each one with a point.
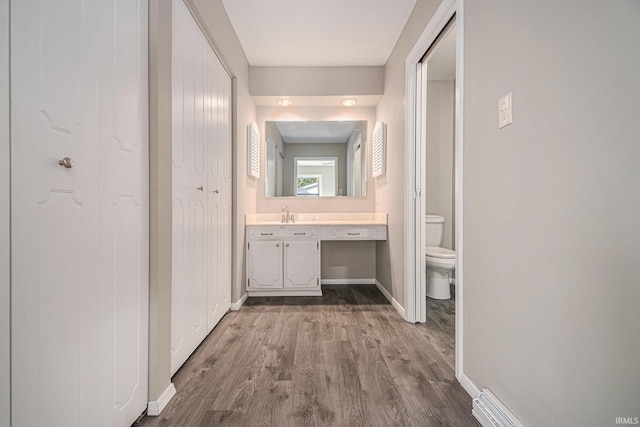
(283, 259)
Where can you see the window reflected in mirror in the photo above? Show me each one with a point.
(316, 158)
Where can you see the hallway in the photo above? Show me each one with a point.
(346, 358)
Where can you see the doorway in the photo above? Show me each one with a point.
(450, 11)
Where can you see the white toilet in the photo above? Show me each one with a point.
(440, 261)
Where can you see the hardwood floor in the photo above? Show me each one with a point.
(344, 359)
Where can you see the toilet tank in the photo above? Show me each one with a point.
(434, 230)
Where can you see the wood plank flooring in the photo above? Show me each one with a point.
(344, 359)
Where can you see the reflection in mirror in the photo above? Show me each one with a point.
(316, 158)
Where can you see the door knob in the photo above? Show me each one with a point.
(201, 188)
(66, 162)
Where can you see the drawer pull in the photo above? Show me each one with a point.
(299, 234)
(353, 234)
(266, 234)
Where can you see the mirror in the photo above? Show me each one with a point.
(316, 158)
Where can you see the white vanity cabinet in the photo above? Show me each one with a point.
(283, 261)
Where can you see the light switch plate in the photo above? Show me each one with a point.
(505, 116)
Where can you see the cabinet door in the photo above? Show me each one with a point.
(265, 264)
(301, 264)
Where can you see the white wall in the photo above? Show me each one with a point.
(4, 217)
(316, 81)
(439, 152)
(390, 188)
(551, 208)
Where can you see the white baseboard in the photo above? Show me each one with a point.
(155, 407)
(469, 386)
(391, 299)
(236, 305)
(348, 281)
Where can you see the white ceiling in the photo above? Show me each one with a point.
(318, 32)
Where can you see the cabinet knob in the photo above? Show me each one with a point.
(66, 162)
(277, 245)
(201, 188)
(287, 245)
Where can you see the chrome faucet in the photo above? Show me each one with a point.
(286, 216)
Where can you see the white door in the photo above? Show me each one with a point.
(80, 228)
(301, 264)
(219, 191)
(201, 278)
(190, 116)
(265, 264)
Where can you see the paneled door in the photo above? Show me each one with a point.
(219, 192)
(201, 125)
(79, 202)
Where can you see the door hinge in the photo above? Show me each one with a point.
(248, 245)
(318, 244)
(248, 282)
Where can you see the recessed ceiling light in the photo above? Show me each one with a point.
(349, 102)
(285, 102)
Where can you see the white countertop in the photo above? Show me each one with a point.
(366, 218)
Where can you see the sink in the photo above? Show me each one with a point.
(366, 218)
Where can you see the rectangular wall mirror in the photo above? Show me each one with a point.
(316, 158)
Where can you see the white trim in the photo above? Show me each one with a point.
(458, 193)
(154, 408)
(469, 386)
(409, 208)
(236, 305)
(348, 281)
(392, 300)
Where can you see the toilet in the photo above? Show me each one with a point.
(440, 261)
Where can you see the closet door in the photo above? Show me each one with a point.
(201, 279)
(190, 226)
(219, 186)
(79, 156)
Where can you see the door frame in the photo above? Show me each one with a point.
(415, 267)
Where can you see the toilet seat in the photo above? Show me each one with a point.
(438, 252)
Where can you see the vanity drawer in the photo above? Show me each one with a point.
(271, 233)
(358, 233)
